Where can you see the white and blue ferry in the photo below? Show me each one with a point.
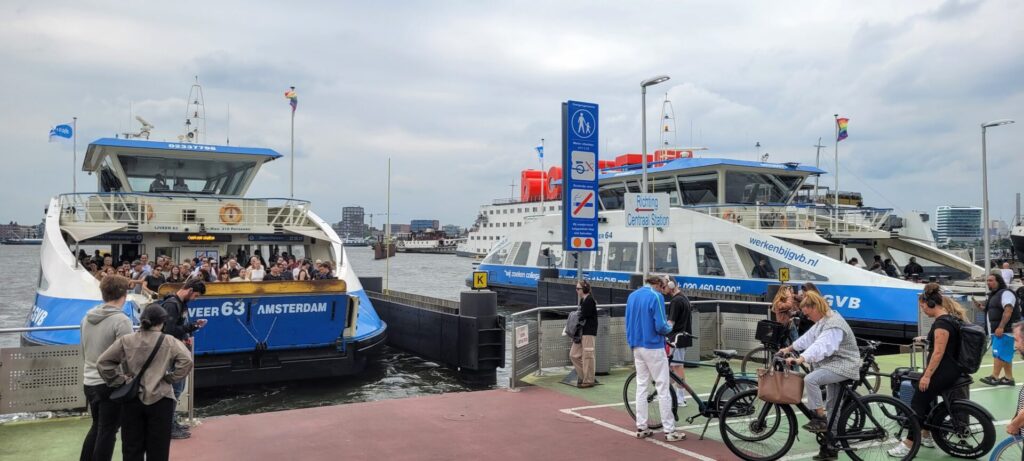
(257, 331)
(726, 217)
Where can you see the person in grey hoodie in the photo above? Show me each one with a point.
(102, 326)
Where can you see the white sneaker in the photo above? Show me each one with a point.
(680, 397)
(644, 433)
(927, 442)
(675, 436)
(900, 450)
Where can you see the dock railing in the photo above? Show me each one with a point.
(801, 217)
(537, 341)
(169, 210)
(49, 378)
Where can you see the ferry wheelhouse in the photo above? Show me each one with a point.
(186, 201)
(734, 225)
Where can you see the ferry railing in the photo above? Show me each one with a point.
(537, 343)
(181, 210)
(49, 378)
(800, 217)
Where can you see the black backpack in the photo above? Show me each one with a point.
(973, 346)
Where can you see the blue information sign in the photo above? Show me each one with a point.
(579, 177)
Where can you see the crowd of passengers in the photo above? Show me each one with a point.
(146, 276)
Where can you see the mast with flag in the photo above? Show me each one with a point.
(65, 132)
(840, 135)
(543, 184)
(293, 100)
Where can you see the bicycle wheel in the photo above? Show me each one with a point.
(757, 358)
(1010, 449)
(968, 433)
(873, 381)
(869, 433)
(652, 401)
(755, 430)
(726, 392)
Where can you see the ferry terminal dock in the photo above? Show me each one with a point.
(547, 420)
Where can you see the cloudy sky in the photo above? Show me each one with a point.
(459, 93)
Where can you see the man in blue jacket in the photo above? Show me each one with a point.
(646, 327)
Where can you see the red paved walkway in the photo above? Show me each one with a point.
(497, 425)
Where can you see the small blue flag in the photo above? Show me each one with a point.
(61, 133)
(540, 151)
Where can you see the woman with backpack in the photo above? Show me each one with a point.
(146, 356)
(943, 348)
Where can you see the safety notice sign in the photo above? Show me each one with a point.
(579, 162)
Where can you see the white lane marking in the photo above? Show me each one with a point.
(619, 404)
(990, 388)
(694, 455)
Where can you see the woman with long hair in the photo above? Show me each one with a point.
(146, 420)
(785, 308)
(175, 275)
(256, 270)
(943, 348)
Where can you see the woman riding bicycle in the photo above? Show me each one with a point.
(944, 346)
(785, 307)
(832, 348)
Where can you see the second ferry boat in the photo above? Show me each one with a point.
(734, 224)
(186, 200)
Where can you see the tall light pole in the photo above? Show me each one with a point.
(984, 189)
(644, 248)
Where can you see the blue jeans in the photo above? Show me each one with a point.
(178, 387)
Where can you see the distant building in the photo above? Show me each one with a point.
(401, 228)
(452, 230)
(957, 224)
(352, 224)
(999, 229)
(13, 230)
(420, 225)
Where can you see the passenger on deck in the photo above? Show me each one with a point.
(158, 184)
(256, 270)
(223, 276)
(243, 276)
(762, 271)
(233, 267)
(155, 279)
(325, 271)
(275, 273)
(854, 262)
(303, 271)
(175, 275)
(877, 268)
(912, 268)
(180, 186)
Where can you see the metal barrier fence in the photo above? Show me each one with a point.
(537, 341)
(49, 378)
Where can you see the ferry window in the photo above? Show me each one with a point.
(699, 189)
(707, 260)
(554, 256)
(612, 196)
(771, 266)
(499, 253)
(584, 259)
(622, 256)
(666, 258)
(745, 187)
(522, 255)
(535, 209)
(599, 258)
(668, 186)
(159, 174)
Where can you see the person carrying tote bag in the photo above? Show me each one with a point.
(146, 418)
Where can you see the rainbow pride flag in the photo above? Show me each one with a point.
(841, 123)
(293, 99)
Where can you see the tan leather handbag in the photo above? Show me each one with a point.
(780, 386)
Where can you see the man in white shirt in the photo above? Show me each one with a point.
(1006, 273)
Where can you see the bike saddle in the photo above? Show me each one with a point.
(727, 354)
(963, 380)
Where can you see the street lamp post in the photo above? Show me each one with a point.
(644, 247)
(984, 188)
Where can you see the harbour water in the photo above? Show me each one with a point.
(395, 374)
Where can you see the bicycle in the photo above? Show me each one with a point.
(865, 428)
(1011, 448)
(960, 427)
(710, 409)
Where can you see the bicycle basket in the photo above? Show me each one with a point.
(770, 332)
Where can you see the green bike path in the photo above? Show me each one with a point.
(1001, 401)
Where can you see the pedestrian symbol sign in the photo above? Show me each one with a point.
(783, 274)
(479, 280)
(579, 164)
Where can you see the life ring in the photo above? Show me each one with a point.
(230, 214)
(149, 213)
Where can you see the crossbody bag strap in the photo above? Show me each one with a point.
(159, 341)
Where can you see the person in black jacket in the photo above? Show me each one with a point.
(679, 312)
(181, 328)
(582, 351)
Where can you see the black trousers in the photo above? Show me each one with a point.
(942, 380)
(106, 420)
(146, 430)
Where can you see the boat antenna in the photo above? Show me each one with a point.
(227, 139)
(817, 164)
(195, 114)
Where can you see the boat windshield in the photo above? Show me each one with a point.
(743, 187)
(199, 176)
